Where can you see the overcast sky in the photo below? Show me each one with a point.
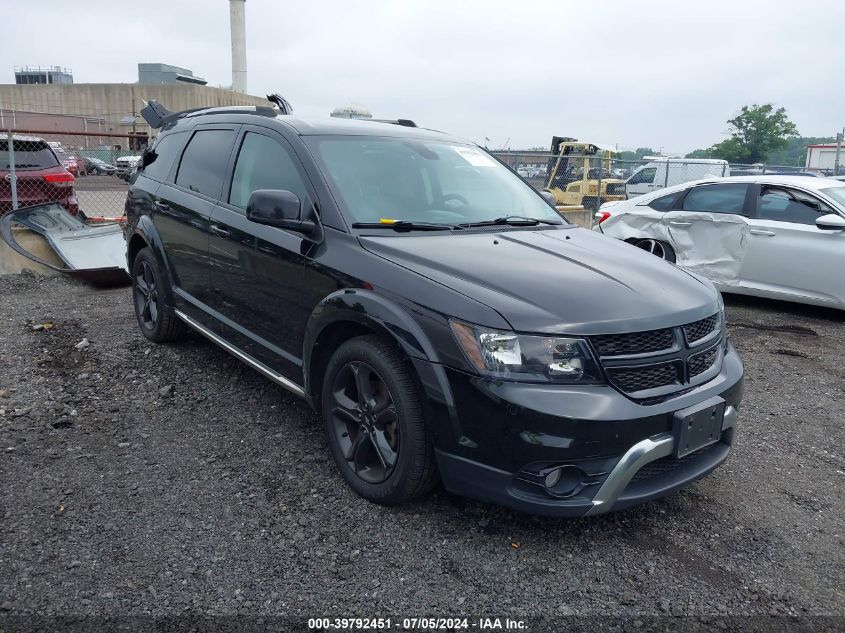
(648, 73)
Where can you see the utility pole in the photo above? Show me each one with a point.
(838, 150)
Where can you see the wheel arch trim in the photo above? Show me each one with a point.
(373, 311)
(147, 231)
(383, 316)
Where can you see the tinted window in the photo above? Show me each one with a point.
(166, 150)
(644, 176)
(204, 161)
(716, 198)
(783, 205)
(28, 155)
(264, 164)
(663, 203)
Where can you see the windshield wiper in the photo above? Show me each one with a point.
(511, 220)
(407, 225)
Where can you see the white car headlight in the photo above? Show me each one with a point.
(526, 357)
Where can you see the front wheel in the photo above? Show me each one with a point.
(657, 248)
(374, 419)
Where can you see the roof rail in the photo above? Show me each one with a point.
(157, 116)
(402, 122)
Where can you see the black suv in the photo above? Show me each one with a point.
(434, 309)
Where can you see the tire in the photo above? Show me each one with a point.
(150, 298)
(394, 459)
(657, 248)
(590, 202)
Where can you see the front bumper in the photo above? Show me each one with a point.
(508, 435)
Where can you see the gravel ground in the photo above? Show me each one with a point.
(164, 480)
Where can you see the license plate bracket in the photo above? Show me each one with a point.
(698, 426)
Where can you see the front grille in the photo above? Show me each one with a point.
(616, 189)
(647, 377)
(700, 363)
(700, 329)
(666, 465)
(634, 343)
(655, 365)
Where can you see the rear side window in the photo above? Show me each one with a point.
(663, 203)
(645, 176)
(264, 164)
(729, 198)
(204, 161)
(28, 155)
(166, 151)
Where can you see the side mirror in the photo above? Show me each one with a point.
(831, 222)
(281, 209)
(549, 197)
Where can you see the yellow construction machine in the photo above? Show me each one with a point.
(575, 172)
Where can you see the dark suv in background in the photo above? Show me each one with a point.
(434, 309)
(40, 176)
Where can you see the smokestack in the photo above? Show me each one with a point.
(237, 23)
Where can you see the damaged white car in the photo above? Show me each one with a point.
(781, 237)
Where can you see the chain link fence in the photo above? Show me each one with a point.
(577, 179)
(85, 173)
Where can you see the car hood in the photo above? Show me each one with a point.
(567, 280)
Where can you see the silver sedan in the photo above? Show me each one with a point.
(781, 237)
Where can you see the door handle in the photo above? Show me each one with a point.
(218, 230)
(162, 206)
(679, 223)
(762, 232)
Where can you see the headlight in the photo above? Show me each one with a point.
(530, 358)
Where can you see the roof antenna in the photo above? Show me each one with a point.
(281, 103)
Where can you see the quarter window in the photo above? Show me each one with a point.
(783, 205)
(204, 161)
(166, 151)
(263, 163)
(663, 203)
(728, 198)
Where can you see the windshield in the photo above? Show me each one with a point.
(413, 180)
(28, 155)
(837, 193)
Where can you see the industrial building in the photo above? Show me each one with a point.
(48, 100)
(39, 75)
(823, 157)
(116, 105)
(157, 74)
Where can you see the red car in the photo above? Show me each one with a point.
(78, 167)
(40, 176)
(71, 162)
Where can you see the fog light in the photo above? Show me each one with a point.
(565, 481)
(552, 478)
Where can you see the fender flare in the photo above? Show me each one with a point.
(390, 319)
(147, 231)
(372, 310)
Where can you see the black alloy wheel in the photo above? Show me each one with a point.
(146, 296)
(150, 294)
(365, 422)
(373, 414)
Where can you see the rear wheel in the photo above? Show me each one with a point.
(374, 419)
(150, 292)
(657, 248)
